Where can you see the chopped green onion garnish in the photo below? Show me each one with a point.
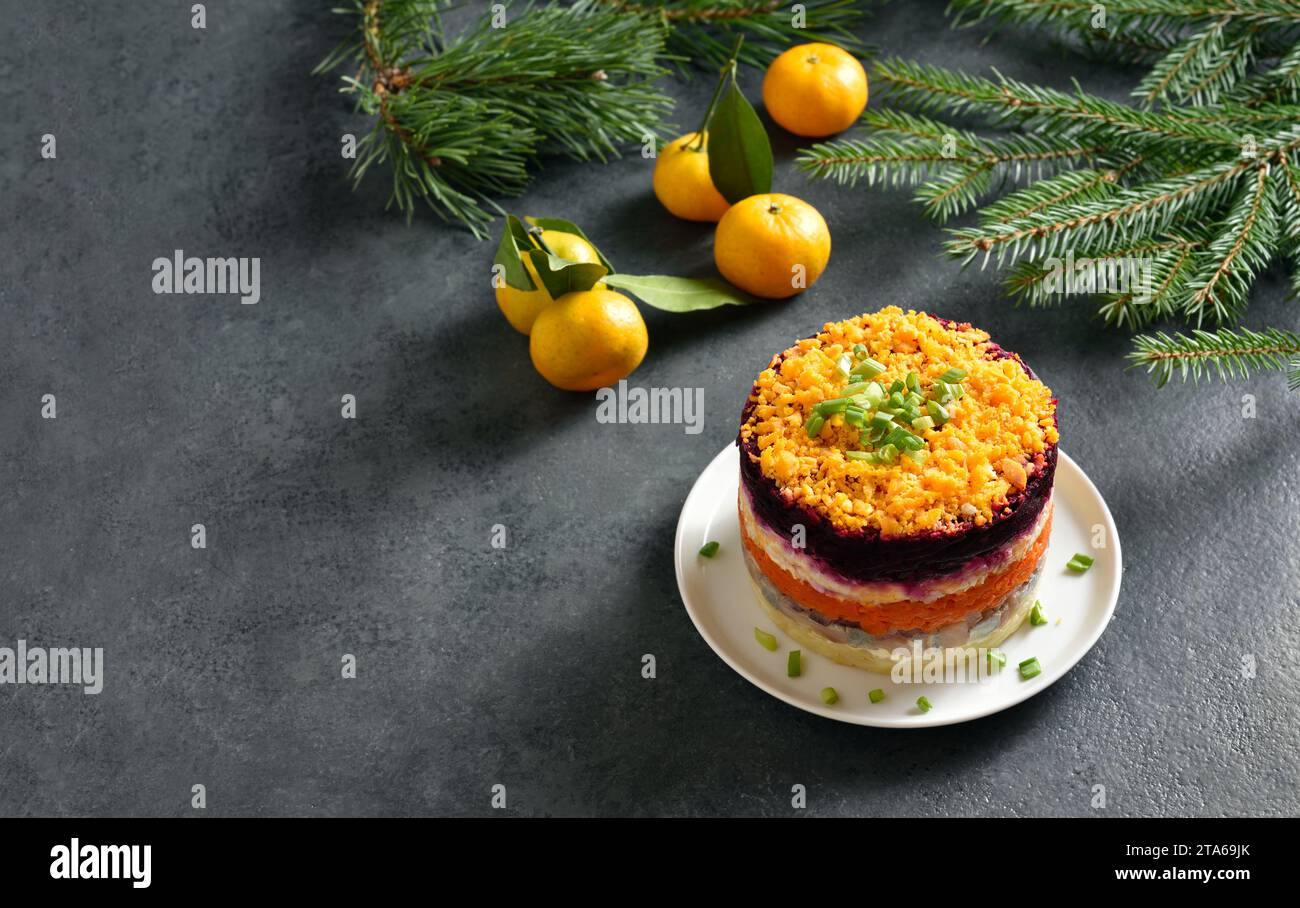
(1079, 563)
(709, 549)
(896, 436)
(917, 457)
(913, 382)
(908, 413)
(855, 416)
(1036, 616)
(868, 368)
(854, 389)
(876, 695)
(861, 455)
(887, 454)
(897, 386)
(793, 665)
(921, 423)
(914, 399)
(953, 375)
(829, 697)
(937, 412)
(997, 658)
(815, 423)
(924, 704)
(947, 392)
(765, 640)
(859, 350)
(882, 421)
(834, 405)
(1030, 669)
(875, 391)
(844, 365)
(911, 442)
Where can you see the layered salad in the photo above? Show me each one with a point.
(896, 487)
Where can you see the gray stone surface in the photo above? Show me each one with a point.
(371, 537)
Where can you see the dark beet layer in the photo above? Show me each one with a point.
(862, 555)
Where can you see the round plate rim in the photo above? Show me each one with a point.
(924, 720)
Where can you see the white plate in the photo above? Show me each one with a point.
(721, 602)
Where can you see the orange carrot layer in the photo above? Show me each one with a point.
(904, 614)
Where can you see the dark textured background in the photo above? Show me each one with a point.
(371, 537)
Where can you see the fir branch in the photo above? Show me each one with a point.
(914, 126)
(409, 25)
(1242, 249)
(1174, 72)
(1288, 192)
(1226, 353)
(1181, 189)
(1200, 52)
(1171, 270)
(954, 168)
(1071, 186)
(1263, 114)
(1139, 212)
(955, 190)
(459, 120)
(1156, 14)
(931, 88)
(1133, 212)
(1013, 158)
(1133, 43)
(1222, 71)
(882, 159)
(704, 32)
(1027, 281)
